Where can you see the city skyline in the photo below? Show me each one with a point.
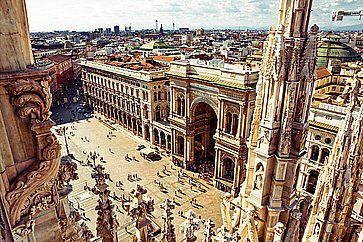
(88, 15)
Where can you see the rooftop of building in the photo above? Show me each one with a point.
(322, 73)
(216, 72)
(129, 70)
(58, 58)
(155, 44)
(332, 49)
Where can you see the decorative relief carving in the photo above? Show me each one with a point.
(21, 232)
(34, 191)
(31, 98)
(29, 191)
(52, 150)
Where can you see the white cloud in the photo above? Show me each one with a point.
(46, 15)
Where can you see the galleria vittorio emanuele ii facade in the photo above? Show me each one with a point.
(289, 161)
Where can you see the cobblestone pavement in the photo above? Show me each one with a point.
(121, 143)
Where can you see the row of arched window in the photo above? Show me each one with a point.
(180, 106)
(319, 155)
(231, 125)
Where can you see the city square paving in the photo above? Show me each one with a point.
(113, 148)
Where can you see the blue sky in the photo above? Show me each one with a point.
(48, 15)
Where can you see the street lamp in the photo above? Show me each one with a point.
(63, 131)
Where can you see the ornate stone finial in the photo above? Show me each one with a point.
(272, 28)
(107, 223)
(190, 226)
(141, 204)
(67, 172)
(139, 209)
(208, 230)
(278, 232)
(168, 230)
(223, 235)
(86, 233)
(356, 84)
(315, 28)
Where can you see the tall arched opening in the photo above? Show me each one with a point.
(205, 125)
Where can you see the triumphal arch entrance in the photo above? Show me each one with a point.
(211, 114)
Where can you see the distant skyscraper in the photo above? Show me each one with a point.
(156, 25)
(173, 26)
(100, 30)
(108, 30)
(161, 29)
(128, 30)
(116, 29)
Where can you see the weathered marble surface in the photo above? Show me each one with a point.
(16, 52)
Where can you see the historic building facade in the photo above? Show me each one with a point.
(211, 111)
(137, 100)
(203, 118)
(324, 123)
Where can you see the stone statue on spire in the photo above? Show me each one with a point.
(167, 230)
(190, 226)
(139, 209)
(208, 230)
(107, 223)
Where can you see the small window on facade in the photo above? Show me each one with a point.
(328, 141)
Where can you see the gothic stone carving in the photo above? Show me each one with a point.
(34, 191)
(190, 226)
(31, 98)
(21, 232)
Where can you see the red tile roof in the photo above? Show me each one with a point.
(323, 72)
(58, 58)
(164, 58)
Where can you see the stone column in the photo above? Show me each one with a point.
(240, 121)
(232, 124)
(237, 174)
(220, 115)
(217, 165)
(189, 149)
(172, 102)
(320, 154)
(16, 52)
(151, 132)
